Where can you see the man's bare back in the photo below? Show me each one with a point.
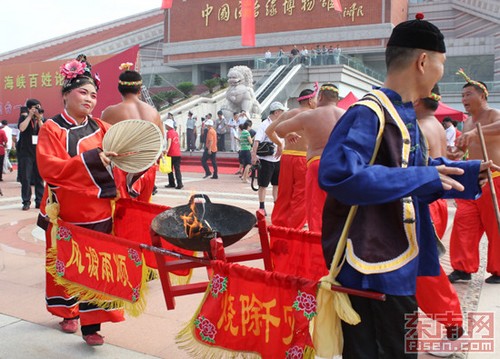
(316, 124)
(434, 134)
(300, 144)
(132, 108)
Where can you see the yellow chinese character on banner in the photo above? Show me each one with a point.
(121, 269)
(252, 316)
(8, 83)
(353, 11)
(288, 6)
(59, 78)
(206, 13)
(289, 320)
(93, 262)
(33, 80)
(308, 5)
(271, 9)
(46, 79)
(224, 13)
(107, 269)
(21, 81)
(76, 257)
(228, 314)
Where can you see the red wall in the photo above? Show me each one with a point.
(188, 23)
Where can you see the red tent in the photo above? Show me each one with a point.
(347, 101)
(447, 111)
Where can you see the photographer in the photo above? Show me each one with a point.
(30, 121)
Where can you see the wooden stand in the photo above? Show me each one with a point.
(217, 252)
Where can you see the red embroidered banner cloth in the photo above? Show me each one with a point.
(250, 310)
(98, 261)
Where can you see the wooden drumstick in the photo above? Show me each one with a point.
(490, 177)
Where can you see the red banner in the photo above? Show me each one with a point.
(337, 6)
(132, 221)
(247, 23)
(166, 4)
(297, 252)
(42, 80)
(252, 311)
(98, 267)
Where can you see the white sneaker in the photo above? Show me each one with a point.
(446, 347)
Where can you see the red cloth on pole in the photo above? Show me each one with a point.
(297, 252)
(247, 23)
(290, 206)
(166, 4)
(252, 311)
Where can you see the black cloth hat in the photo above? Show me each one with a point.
(418, 34)
(32, 102)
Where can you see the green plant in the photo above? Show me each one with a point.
(211, 84)
(223, 82)
(160, 98)
(186, 88)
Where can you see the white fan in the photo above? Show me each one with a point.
(138, 144)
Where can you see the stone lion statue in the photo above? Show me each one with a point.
(240, 95)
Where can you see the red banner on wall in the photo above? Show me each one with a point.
(249, 310)
(247, 23)
(42, 80)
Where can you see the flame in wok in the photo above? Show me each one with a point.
(193, 226)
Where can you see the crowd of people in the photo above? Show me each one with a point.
(315, 56)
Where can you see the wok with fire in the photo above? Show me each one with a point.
(194, 225)
(209, 227)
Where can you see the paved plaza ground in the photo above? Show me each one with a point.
(27, 330)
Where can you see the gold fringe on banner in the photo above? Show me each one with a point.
(102, 300)
(187, 341)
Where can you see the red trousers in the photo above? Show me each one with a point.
(315, 196)
(472, 219)
(290, 207)
(60, 304)
(436, 296)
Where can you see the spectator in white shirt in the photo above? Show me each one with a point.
(451, 133)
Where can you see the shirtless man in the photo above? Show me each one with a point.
(290, 206)
(137, 185)
(474, 217)
(316, 125)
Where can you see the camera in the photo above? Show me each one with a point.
(40, 110)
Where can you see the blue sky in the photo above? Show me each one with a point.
(26, 22)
